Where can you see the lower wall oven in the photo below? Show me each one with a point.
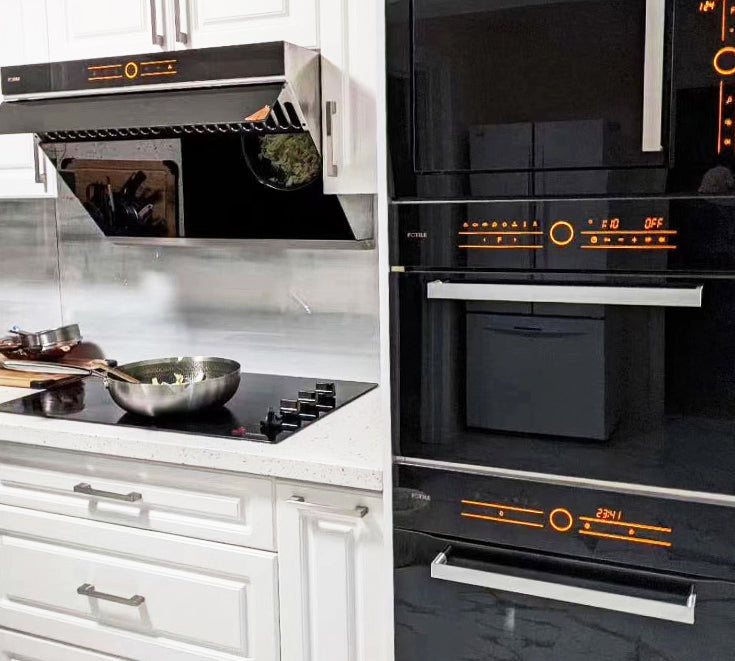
(564, 417)
(489, 568)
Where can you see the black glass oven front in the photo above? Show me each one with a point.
(589, 339)
(557, 97)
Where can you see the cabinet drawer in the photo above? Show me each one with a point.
(217, 506)
(135, 593)
(19, 647)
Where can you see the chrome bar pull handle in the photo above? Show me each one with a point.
(87, 590)
(682, 612)
(653, 75)
(39, 164)
(680, 297)
(181, 23)
(359, 512)
(331, 111)
(157, 38)
(88, 490)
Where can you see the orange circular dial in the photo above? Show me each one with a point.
(561, 233)
(561, 520)
(131, 70)
(721, 67)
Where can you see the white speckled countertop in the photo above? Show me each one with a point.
(343, 449)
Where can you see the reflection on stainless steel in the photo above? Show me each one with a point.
(227, 298)
(231, 296)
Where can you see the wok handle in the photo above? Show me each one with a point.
(47, 368)
(104, 367)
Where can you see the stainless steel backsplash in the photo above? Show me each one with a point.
(275, 309)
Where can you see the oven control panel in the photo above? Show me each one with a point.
(649, 526)
(632, 232)
(602, 522)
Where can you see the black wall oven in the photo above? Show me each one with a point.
(564, 429)
(563, 328)
(560, 97)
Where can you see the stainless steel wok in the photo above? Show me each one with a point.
(211, 382)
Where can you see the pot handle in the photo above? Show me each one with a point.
(48, 368)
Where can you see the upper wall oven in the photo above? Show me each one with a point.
(561, 97)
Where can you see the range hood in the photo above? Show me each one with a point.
(170, 145)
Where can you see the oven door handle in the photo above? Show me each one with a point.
(678, 297)
(653, 75)
(506, 581)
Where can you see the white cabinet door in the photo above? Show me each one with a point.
(330, 577)
(19, 647)
(24, 171)
(348, 34)
(80, 29)
(227, 22)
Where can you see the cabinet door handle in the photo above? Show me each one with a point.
(359, 512)
(87, 489)
(39, 164)
(680, 297)
(506, 581)
(157, 38)
(181, 23)
(330, 111)
(87, 590)
(653, 75)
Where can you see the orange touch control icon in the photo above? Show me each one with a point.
(131, 70)
(561, 233)
(727, 67)
(561, 519)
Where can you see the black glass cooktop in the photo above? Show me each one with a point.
(265, 408)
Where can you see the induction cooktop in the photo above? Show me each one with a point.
(266, 408)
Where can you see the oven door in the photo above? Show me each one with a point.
(609, 380)
(458, 601)
(492, 90)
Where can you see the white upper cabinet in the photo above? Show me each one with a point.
(80, 29)
(227, 22)
(348, 36)
(24, 171)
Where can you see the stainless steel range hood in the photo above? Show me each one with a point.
(206, 89)
(162, 145)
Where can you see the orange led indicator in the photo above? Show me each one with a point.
(724, 70)
(131, 70)
(561, 519)
(641, 526)
(638, 540)
(515, 522)
(561, 233)
(502, 507)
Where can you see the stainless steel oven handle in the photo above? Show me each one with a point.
(680, 297)
(653, 75)
(662, 610)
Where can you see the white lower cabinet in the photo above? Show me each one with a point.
(104, 558)
(134, 593)
(16, 646)
(330, 580)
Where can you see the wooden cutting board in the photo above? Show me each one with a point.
(32, 379)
